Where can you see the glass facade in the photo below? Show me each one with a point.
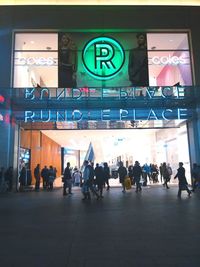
(61, 60)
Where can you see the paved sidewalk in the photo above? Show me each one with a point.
(152, 228)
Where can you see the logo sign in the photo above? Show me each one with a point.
(103, 57)
(168, 60)
(38, 61)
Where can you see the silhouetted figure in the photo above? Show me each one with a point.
(137, 173)
(22, 178)
(67, 61)
(138, 63)
(166, 175)
(51, 178)
(67, 180)
(45, 175)
(195, 176)
(122, 175)
(182, 180)
(37, 177)
(99, 179)
(9, 178)
(106, 172)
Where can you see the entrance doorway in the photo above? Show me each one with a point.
(151, 146)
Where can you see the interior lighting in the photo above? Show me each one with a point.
(103, 2)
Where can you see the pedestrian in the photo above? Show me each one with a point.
(137, 174)
(99, 181)
(9, 178)
(195, 176)
(44, 175)
(166, 176)
(106, 173)
(182, 180)
(51, 177)
(122, 174)
(67, 180)
(37, 177)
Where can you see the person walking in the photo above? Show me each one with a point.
(67, 180)
(161, 172)
(85, 181)
(166, 175)
(37, 177)
(122, 174)
(99, 174)
(182, 180)
(106, 173)
(44, 175)
(137, 173)
(9, 178)
(195, 176)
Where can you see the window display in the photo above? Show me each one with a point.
(74, 59)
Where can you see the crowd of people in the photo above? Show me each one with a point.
(93, 180)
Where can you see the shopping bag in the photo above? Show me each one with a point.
(127, 183)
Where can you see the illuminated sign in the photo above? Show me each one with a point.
(38, 61)
(58, 94)
(168, 60)
(103, 57)
(105, 114)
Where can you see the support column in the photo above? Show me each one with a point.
(193, 128)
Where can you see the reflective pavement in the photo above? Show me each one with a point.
(152, 228)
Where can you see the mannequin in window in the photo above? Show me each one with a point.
(67, 61)
(138, 62)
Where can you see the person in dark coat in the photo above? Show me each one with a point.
(166, 175)
(9, 178)
(106, 172)
(138, 62)
(37, 177)
(195, 176)
(67, 180)
(122, 175)
(137, 173)
(99, 174)
(182, 180)
(45, 175)
(51, 177)
(22, 178)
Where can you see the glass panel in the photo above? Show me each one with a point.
(36, 41)
(169, 68)
(167, 41)
(35, 69)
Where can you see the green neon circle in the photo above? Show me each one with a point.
(110, 67)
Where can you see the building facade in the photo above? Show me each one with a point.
(34, 92)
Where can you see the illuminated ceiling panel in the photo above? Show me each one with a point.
(102, 2)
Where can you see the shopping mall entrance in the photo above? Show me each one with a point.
(151, 145)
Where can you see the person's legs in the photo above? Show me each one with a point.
(69, 183)
(64, 188)
(179, 192)
(123, 187)
(188, 191)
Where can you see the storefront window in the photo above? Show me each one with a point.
(169, 59)
(63, 60)
(36, 60)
